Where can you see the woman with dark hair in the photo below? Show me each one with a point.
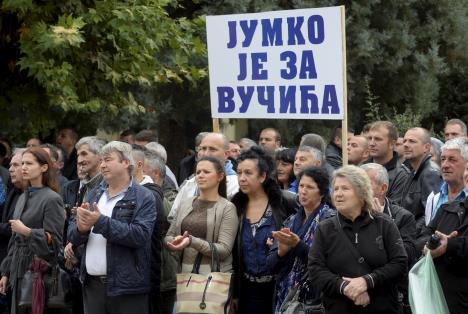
(37, 223)
(288, 255)
(284, 167)
(262, 208)
(209, 217)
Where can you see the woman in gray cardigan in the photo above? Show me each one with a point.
(37, 221)
(209, 217)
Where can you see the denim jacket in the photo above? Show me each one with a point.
(128, 233)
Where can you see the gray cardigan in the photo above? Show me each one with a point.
(222, 222)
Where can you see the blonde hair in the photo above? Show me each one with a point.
(360, 182)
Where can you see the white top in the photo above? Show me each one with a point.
(146, 179)
(96, 250)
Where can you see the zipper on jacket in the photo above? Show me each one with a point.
(356, 238)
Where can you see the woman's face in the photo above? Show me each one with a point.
(345, 199)
(283, 170)
(206, 176)
(31, 169)
(248, 175)
(309, 193)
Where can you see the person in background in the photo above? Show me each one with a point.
(262, 209)
(37, 223)
(454, 128)
(246, 144)
(67, 138)
(128, 136)
(305, 157)
(357, 257)
(399, 149)
(358, 150)
(316, 141)
(57, 163)
(187, 165)
(145, 136)
(234, 150)
(33, 142)
(333, 152)
(170, 180)
(436, 145)
(270, 140)
(284, 167)
(4, 174)
(288, 255)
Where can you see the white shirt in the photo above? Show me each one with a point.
(96, 248)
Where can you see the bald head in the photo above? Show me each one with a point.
(214, 145)
(358, 149)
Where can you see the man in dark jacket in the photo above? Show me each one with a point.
(424, 178)
(451, 257)
(382, 138)
(116, 229)
(333, 152)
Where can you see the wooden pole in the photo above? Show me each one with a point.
(344, 122)
(216, 125)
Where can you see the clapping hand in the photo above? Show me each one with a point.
(180, 242)
(86, 218)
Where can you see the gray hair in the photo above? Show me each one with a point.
(317, 154)
(313, 140)
(360, 182)
(460, 144)
(199, 138)
(155, 162)
(95, 144)
(381, 174)
(247, 143)
(158, 149)
(138, 155)
(457, 122)
(123, 149)
(19, 150)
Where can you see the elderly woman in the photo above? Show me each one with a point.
(288, 255)
(358, 257)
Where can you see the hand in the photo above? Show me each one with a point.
(377, 206)
(355, 287)
(286, 240)
(362, 299)
(234, 306)
(442, 248)
(86, 219)
(3, 285)
(269, 242)
(17, 226)
(68, 251)
(180, 242)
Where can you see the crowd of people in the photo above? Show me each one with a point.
(289, 223)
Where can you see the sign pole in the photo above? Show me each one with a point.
(344, 122)
(216, 125)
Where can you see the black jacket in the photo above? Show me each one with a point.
(397, 176)
(379, 244)
(333, 155)
(419, 185)
(283, 204)
(452, 267)
(7, 214)
(69, 168)
(187, 168)
(157, 237)
(406, 224)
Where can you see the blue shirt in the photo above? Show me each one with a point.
(254, 247)
(2, 192)
(443, 199)
(293, 186)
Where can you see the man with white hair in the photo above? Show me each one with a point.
(213, 145)
(161, 151)
(403, 219)
(115, 228)
(306, 157)
(453, 158)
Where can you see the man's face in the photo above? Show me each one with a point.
(379, 143)
(453, 131)
(113, 167)
(234, 150)
(377, 189)
(357, 150)
(16, 175)
(88, 161)
(414, 148)
(65, 139)
(304, 160)
(268, 140)
(212, 145)
(452, 166)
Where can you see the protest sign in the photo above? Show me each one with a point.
(278, 65)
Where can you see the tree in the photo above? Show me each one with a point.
(90, 63)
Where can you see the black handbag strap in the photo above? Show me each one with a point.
(215, 265)
(352, 249)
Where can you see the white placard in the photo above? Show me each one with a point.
(277, 65)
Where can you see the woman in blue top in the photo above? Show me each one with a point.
(288, 255)
(262, 208)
